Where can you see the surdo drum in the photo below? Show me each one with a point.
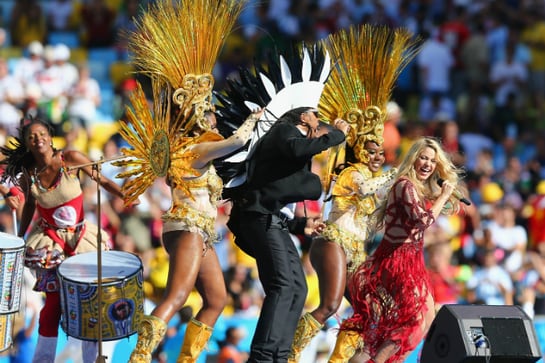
(12, 254)
(121, 301)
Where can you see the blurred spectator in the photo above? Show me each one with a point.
(497, 32)
(454, 32)
(521, 51)
(60, 15)
(473, 100)
(473, 142)
(51, 87)
(239, 283)
(490, 284)
(3, 37)
(509, 237)
(508, 78)
(32, 105)
(230, 352)
(532, 296)
(435, 107)
(28, 67)
(447, 279)
(512, 175)
(48, 78)
(121, 97)
(448, 132)
(83, 100)
(12, 95)
(533, 35)
(534, 212)
(69, 73)
(392, 136)
(27, 23)
(24, 327)
(484, 165)
(411, 132)
(124, 25)
(97, 21)
(474, 55)
(358, 9)
(435, 62)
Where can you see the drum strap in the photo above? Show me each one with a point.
(51, 231)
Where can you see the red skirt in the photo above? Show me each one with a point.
(389, 293)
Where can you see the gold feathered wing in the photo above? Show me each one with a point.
(155, 149)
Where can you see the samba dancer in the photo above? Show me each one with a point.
(184, 142)
(359, 95)
(49, 179)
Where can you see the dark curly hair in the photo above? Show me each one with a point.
(16, 155)
(293, 116)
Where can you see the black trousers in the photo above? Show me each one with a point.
(266, 238)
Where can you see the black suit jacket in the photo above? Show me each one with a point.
(279, 170)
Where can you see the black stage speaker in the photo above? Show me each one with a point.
(481, 333)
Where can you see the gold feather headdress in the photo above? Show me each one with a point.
(176, 44)
(369, 59)
(179, 42)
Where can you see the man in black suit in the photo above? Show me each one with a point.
(278, 175)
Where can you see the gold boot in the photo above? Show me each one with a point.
(307, 328)
(196, 337)
(150, 333)
(345, 346)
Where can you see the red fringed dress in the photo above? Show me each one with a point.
(389, 290)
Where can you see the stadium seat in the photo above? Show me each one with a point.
(78, 55)
(99, 71)
(7, 7)
(12, 64)
(120, 71)
(70, 38)
(105, 55)
(11, 52)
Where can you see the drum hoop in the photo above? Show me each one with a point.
(72, 258)
(14, 249)
(109, 281)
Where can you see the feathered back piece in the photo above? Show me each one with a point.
(285, 82)
(369, 59)
(155, 149)
(178, 42)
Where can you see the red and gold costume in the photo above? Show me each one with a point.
(61, 230)
(397, 265)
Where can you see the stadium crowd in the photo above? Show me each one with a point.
(477, 84)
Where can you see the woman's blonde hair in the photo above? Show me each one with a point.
(428, 189)
(444, 169)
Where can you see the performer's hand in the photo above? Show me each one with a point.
(14, 198)
(314, 226)
(342, 125)
(257, 113)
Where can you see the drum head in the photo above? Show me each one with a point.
(115, 265)
(8, 241)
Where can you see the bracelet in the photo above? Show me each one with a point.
(8, 194)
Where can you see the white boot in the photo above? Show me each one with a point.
(89, 350)
(45, 350)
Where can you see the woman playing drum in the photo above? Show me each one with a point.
(49, 179)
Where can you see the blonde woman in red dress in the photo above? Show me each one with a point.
(391, 291)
